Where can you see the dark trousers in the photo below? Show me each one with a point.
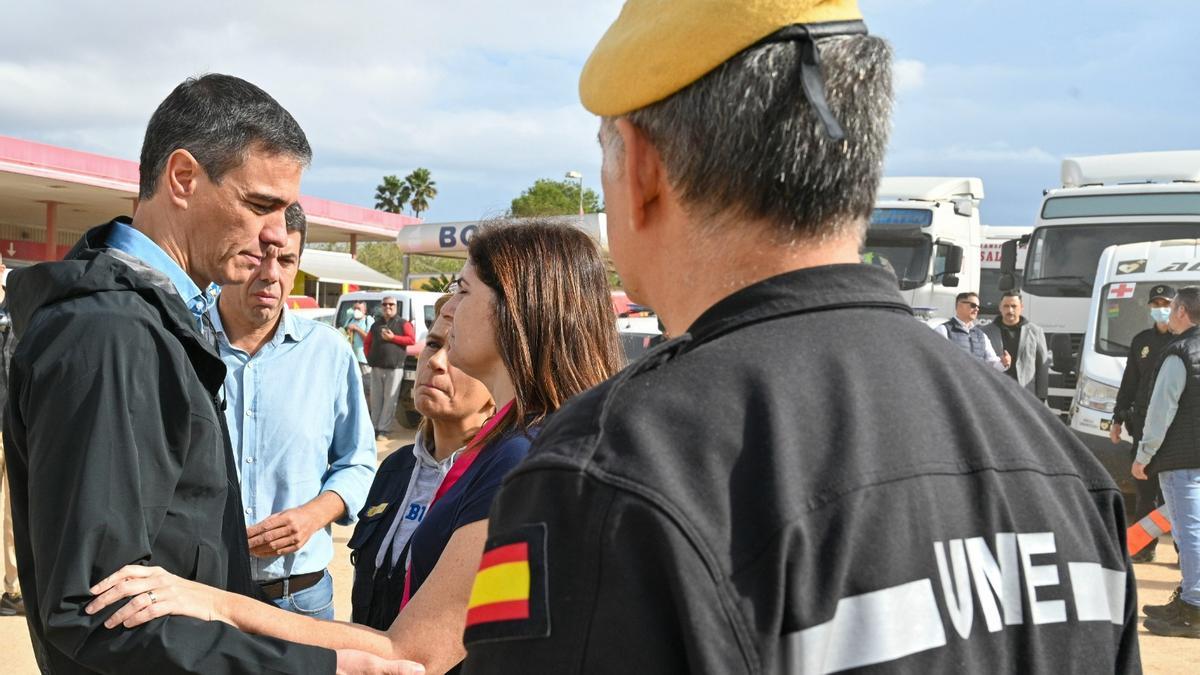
(1149, 497)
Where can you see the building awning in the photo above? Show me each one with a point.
(340, 268)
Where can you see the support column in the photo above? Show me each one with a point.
(406, 271)
(51, 231)
(354, 246)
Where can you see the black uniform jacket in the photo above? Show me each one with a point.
(1137, 382)
(809, 481)
(118, 454)
(376, 594)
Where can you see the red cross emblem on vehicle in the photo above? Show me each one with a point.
(1121, 291)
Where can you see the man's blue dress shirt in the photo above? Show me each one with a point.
(138, 245)
(299, 426)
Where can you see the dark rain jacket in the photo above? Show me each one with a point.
(118, 454)
(808, 481)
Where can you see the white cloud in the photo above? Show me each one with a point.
(483, 93)
(907, 75)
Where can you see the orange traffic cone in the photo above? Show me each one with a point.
(1146, 530)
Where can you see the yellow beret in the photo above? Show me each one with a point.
(657, 47)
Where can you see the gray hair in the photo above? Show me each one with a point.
(744, 142)
(297, 221)
(217, 118)
(1188, 298)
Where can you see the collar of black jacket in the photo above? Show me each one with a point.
(91, 267)
(806, 290)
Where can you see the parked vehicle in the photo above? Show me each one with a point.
(1104, 200)
(1118, 311)
(926, 230)
(989, 264)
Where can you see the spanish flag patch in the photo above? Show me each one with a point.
(509, 597)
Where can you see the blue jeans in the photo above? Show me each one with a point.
(315, 601)
(1181, 490)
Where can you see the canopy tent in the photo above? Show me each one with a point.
(340, 268)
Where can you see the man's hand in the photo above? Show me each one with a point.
(354, 662)
(1139, 471)
(1006, 359)
(1114, 433)
(387, 334)
(353, 328)
(288, 531)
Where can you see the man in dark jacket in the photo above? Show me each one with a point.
(1170, 451)
(116, 440)
(1133, 398)
(385, 344)
(805, 479)
(1024, 342)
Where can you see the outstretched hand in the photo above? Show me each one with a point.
(354, 662)
(153, 592)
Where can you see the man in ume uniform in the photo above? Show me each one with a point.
(806, 478)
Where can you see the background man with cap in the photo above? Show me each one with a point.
(795, 482)
(1133, 398)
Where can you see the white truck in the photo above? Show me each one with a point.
(990, 251)
(927, 231)
(1118, 311)
(1104, 200)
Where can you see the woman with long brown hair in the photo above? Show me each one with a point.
(532, 321)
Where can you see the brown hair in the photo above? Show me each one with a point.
(554, 323)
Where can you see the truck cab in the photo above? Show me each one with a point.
(1119, 310)
(990, 252)
(926, 230)
(1104, 200)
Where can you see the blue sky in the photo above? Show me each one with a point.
(484, 94)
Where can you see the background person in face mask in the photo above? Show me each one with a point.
(1133, 398)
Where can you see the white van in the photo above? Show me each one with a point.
(1119, 311)
(1105, 200)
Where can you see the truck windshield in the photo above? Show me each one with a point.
(1124, 312)
(1062, 259)
(907, 256)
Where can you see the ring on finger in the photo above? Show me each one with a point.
(153, 598)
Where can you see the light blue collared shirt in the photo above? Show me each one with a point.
(299, 425)
(138, 245)
(1164, 403)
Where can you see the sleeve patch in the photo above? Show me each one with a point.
(509, 599)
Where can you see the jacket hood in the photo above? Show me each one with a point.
(91, 267)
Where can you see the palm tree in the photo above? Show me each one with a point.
(391, 195)
(421, 190)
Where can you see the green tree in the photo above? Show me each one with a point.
(440, 283)
(421, 189)
(385, 257)
(554, 198)
(392, 194)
